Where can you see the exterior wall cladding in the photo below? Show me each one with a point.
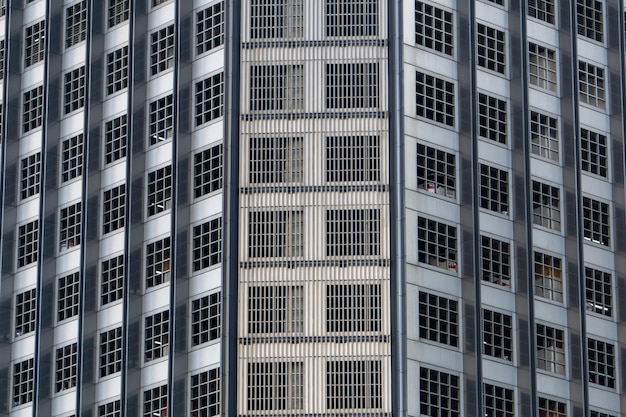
(312, 207)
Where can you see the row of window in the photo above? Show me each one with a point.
(205, 392)
(437, 246)
(209, 105)
(439, 321)
(440, 395)
(206, 237)
(434, 29)
(281, 87)
(271, 309)
(435, 98)
(436, 173)
(275, 19)
(209, 34)
(272, 160)
(271, 233)
(205, 311)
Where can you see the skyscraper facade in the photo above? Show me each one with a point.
(312, 207)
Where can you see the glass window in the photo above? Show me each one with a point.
(438, 319)
(435, 99)
(436, 244)
(110, 352)
(491, 48)
(30, 175)
(207, 244)
(75, 24)
(434, 28)
(210, 28)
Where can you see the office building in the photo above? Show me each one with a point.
(312, 207)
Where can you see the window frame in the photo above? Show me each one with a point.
(353, 158)
(112, 127)
(116, 295)
(605, 239)
(74, 90)
(276, 88)
(558, 402)
(106, 363)
(32, 254)
(354, 232)
(498, 135)
(439, 32)
(202, 179)
(16, 381)
(502, 277)
(70, 236)
(552, 365)
(453, 382)
(431, 165)
(118, 17)
(156, 347)
(594, 94)
(451, 254)
(69, 29)
(590, 139)
(539, 139)
(369, 30)
(159, 191)
(424, 309)
(490, 51)
(275, 160)
(275, 234)
(499, 400)
(118, 59)
(591, 28)
(545, 11)
(102, 409)
(208, 108)
(362, 93)
(277, 308)
(71, 168)
(602, 367)
(592, 293)
(352, 307)
(554, 224)
(161, 125)
(196, 328)
(163, 258)
(24, 312)
(213, 43)
(113, 225)
(552, 288)
(28, 60)
(449, 99)
(495, 192)
(220, 242)
(498, 332)
(543, 68)
(200, 394)
(61, 355)
(34, 122)
(32, 180)
(161, 60)
(272, 379)
(366, 377)
(74, 284)
(159, 401)
(290, 24)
